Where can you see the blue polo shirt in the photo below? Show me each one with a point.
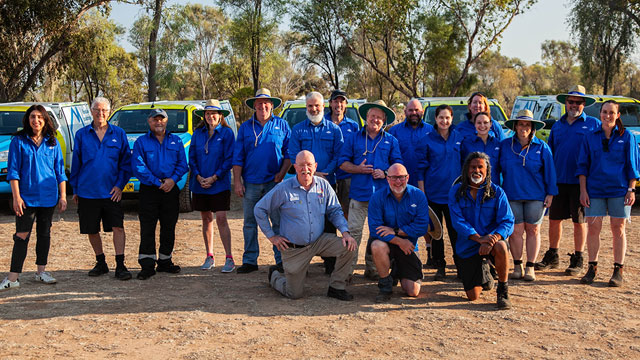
(439, 164)
(261, 160)
(152, 161)
(608, 172)
(471, 217)
(210, 156)
(491, 148)
(468, 129)
(410, 214)
(409, 141)
(381, 152)
(302, 212)
(98, 166)
(348, 127)
(38, 169)
(565, 141)
(531, 179)
(323, 140)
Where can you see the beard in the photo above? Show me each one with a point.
(574, 114)
(413, 119)
(400, 191)
(476, 178)
(315, 119)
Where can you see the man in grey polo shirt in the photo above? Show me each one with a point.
(302, 202)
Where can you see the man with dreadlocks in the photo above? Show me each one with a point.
(482, 217)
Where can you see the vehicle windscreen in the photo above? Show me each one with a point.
(459, 114)
(629, 113)
(294, 116)
(10, 122)
(135, 121)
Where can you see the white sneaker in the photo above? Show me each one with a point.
(6, 284)
(208, 263)
(46, 278)
(229, 266)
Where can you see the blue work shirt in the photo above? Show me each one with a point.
(439, 164)
(491, 148)
(565, 141)
(608, 172)
(348, 127)
(261, 160)
(409, 141)
(468, 129)
(98, 166)
(410, 214)
(471, 217)
(152, 161)
(38, 169)
(381, 152)
(302, 212)
(323, 140)
(210, 156)
(531, 178)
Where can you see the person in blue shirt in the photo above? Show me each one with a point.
(439, 166)
(35, 171)
(210, 157)
(607, 170)
(398, 216)
(367, 155)
(565, 140)
(483, 142)
(529, 180)
(303, 202)
(477, 103)
(337, 115)
(158, 161)
(100, 169)
(260, 161)
(483, 220)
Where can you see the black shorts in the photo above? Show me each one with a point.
(403, 266)
(216, 202)
(471, 271)
(92, 211)
(567, 205)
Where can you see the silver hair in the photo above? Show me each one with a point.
(100, 100)
(314, 94)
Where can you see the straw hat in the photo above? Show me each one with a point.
(379, 104)
(578, 91)
(263, 93)
(435, 227)
(524, 115)
(212, 104)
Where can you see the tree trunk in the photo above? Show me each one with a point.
(153, 46)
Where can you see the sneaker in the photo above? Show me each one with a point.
(99, 269)
(529, 274)
(167, 266)
(590, 275)
(440, 274)
(208, 263)
(339, 294)
(616, 279)
(122, 273)
(575, 265)
(549, 261)
(45, 277)
(229, 266)
(6, 284)
(247, 268)
(518, 272)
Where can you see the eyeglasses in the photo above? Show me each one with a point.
(571, 102)
(397, 177)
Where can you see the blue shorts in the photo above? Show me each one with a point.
(614, 207)
(527, 211)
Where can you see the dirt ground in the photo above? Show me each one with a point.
(209, 315)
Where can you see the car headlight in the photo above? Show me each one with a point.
(4, 155)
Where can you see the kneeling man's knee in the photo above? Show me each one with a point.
(379, 247)
(500, 248)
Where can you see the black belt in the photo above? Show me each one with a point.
(296, 246)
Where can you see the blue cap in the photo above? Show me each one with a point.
(158, 112)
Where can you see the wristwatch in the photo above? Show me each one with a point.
(631, 190)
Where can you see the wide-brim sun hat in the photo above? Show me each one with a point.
(263, 93)
(524, 115)
(379, 104)
(578, 91)
(212, 104)
(435, 227)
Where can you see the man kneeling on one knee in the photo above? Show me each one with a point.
(398, 216)
(303, 201)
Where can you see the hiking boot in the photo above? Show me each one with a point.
(440, 274)
(6, 284)
(208, 263)
(122, 273)
(99, 269)
(488, 280)
(616, 278)
(247, 268)
(167, 266)
(145, 273)
(386, 289)
(529, 274)
(339, 294)
(549, 261)
(229, 266)
(518, 272)
(590, 275)
(46, 278)
(575, 265)
(503, 301)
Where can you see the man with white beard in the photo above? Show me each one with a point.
(323, 139)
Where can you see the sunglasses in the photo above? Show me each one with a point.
(571, 102)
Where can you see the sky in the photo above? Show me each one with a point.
(546, 20)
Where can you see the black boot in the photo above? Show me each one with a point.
(616, 279)
(503, 296)
(386, 289)
(575, 264)
(148, 266)
(591, 273)
(549, 261)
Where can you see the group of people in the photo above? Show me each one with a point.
(489, 190)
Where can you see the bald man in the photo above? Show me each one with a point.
(303, 201)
